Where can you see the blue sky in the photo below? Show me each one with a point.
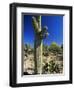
(55, 29)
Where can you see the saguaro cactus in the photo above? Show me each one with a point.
(39, 35)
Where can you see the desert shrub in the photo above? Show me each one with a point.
(51, 67)
(54, 48)
(45, 68)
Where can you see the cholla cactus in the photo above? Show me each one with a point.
(40, 34)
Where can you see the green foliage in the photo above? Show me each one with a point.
(51, 67)
(54, 48)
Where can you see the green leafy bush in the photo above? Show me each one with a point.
(54, 48)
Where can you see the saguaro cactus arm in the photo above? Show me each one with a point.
(35, 24)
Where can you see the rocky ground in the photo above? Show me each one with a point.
(51, 63)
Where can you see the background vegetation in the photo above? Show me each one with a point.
(52, 58)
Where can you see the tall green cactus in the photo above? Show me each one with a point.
(39, 35)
